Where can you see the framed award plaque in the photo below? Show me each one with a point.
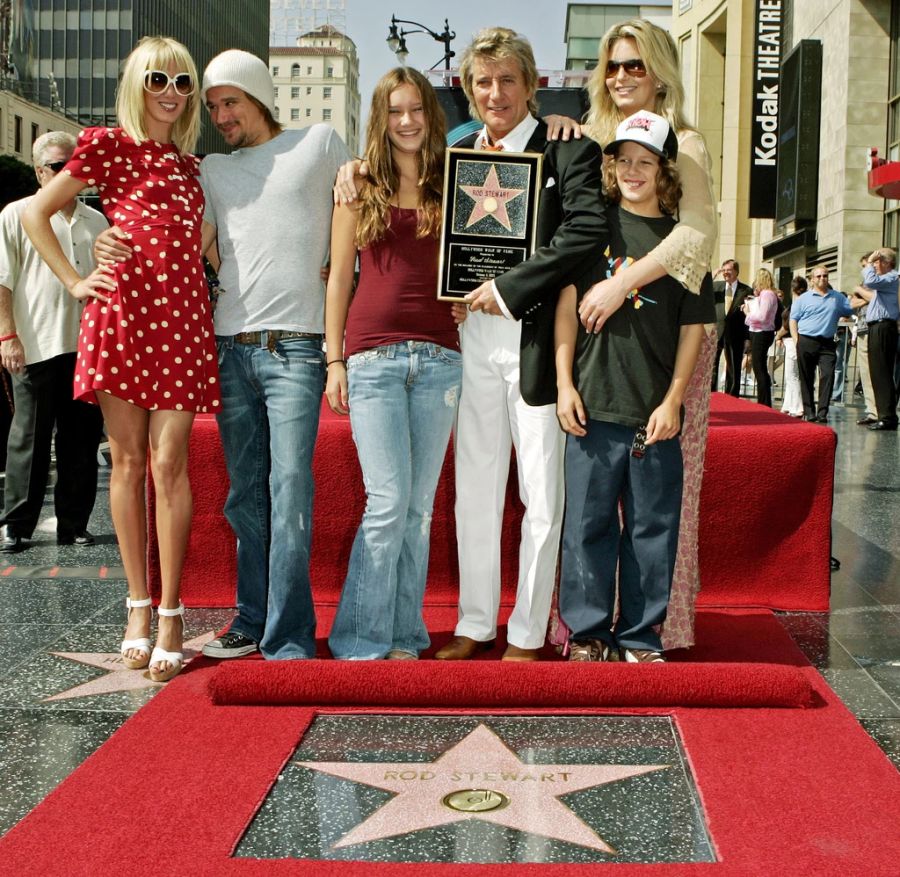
(490, 217)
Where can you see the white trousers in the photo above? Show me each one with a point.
(492, 419)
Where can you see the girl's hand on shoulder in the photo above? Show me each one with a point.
(664, 423)
(96, 284)
(570, 411)
(336, 388)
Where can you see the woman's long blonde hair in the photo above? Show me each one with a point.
(384, 180)
(660, 56)
(763, 280)
(157, 53)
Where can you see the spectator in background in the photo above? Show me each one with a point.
(792, 403)
(38, 336)
(813, 322)
(879, 289)
(760, 310)
(730, 293)
(861, 336)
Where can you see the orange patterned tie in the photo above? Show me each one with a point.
(487, 147)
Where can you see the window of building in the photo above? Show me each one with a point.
(308, 112)
(35, 133)
(274, 71)
(295, 71)
(295, 114)
(329, 72)
(309, 89)
(326, 115)
(309, 71)
(326, 92)
(295, 92)
(277, 113)
(276, 92)
(17, 136)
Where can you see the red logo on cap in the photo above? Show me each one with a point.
(640, 122)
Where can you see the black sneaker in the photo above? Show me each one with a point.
(230, 645)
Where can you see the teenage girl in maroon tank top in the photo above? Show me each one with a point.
(393, 365)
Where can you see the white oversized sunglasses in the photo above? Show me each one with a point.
(157, 81)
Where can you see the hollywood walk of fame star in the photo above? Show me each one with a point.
(118, 677)
(480, 761)
(491, 199)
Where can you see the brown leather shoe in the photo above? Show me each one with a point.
(514, 653)
(461, 648)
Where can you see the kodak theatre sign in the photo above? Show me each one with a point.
(764, 130)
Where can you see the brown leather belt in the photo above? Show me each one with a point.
(273, 335)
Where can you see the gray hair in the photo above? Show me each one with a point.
(62, 139)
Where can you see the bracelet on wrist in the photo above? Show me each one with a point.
(333, 361)
(8, 337)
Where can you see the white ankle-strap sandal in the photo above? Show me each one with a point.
(175, 660)
(142, 644)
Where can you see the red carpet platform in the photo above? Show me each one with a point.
(784, 791)
(764, 529)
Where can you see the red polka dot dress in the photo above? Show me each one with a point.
(152, 344)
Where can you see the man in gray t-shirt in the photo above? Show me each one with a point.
(268, 204)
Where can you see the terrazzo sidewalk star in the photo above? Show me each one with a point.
(118, 677)
(523, 796)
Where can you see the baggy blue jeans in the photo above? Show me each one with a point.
(268, 424)
(403, 400)
(600, 471)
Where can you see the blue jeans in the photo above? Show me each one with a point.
(403, 400)
(600, 471)
(268, 425)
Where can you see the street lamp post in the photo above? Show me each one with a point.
(396, 40)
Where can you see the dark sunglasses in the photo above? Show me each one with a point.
(55, 166)
(633, 67)
(157, 81)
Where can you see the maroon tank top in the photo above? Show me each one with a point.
(396, 299)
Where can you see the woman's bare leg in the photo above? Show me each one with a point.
(127, 429)
(170, 433)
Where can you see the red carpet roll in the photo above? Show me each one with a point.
(485, 684)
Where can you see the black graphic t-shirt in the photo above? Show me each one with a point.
(624, 372)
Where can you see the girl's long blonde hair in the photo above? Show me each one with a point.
(157, 53)
(660, 56)
(384, 180)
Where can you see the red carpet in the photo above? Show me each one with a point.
(477, 685)
(764, 528)
(785, 791)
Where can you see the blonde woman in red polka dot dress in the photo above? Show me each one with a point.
(146, 352)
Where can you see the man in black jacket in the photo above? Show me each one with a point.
(509, 378)
(730, 294)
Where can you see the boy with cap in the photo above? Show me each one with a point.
(620, 394)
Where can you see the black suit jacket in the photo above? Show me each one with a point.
(735, 330)
(572, 234)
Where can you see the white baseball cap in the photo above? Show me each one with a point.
(650, 131)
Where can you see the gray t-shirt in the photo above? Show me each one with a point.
(271, 206)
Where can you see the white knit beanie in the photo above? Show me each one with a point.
(241, 70)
